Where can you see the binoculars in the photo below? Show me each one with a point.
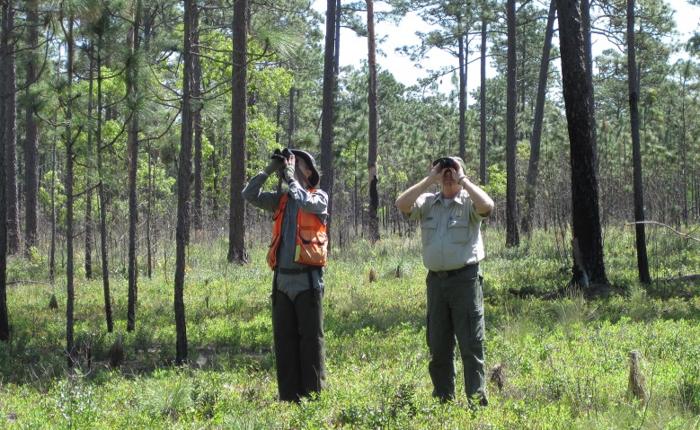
(446, 163)
(281, 155)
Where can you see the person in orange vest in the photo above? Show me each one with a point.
(297, 255)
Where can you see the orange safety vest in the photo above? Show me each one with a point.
(311, 246)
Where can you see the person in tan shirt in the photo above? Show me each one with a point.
(452, 247)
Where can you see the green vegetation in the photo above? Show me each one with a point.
(565, 361)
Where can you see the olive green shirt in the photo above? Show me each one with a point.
(450, 231)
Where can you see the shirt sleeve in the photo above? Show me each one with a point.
(313, 202)
(416, 213)
(254, 195)
(474, 216)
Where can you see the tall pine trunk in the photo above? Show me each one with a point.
(512, 235)
(31, 142)
(535, 139)
(7, 47)
(633, 85)
(70, 293)
(372, 150)
(6, 87)
(88, 164)
(482, 105)
(197, 213)
(462, 54)
(290, 122)
(102, 193)
(133, 148)
(183, 186)
(239, 117)
(589, 267)
(327, 115)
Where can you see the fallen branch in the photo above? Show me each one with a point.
(687, 236)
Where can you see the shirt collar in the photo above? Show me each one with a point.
(459, 198)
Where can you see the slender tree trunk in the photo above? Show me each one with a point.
(52, 245)
(587, 235)
(183, 184)
(462, 96)
(10, 124)
(512, 236)
(31, 143)
(197, 119)
(328, 107)
(533, 165)
(372, 151)
(70, 294)
(482, 105)
(239, 117)
(6, 87)
(133, 148)
(149, 214)
(88, 194)
(633, 85)
(290, 124)
(101, 190)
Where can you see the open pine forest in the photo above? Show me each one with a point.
(134, 288)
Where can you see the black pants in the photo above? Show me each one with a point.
(299, 344)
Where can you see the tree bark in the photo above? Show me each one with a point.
(372, 150)
(328, 108)
(197, 120)
(237, 252)
(70, 293)
(533, 165)
(101, 190)
(462, 54)
(290, 123)
(482, 105)
(589, 267)
(633, 86)
(5, 89)
(88, 194)
(10, 125)
(133, 148)
(512, 235)
(183, 185)
(31, 143)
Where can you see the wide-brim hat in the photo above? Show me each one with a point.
(309, 159)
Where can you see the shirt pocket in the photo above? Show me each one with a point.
(458, 231)
(428, 227)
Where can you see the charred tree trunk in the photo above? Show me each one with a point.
(512, 236)
(328, 108)
(633, 85)
(6, 88)
(101, 190)
(533, 165)
(589, 267)
(7, 47)
(31, 143)
(183, 185)
(372, 151)
(70, 294)
(133, 148)
(239, 117)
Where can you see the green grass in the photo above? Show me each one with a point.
(565, 360)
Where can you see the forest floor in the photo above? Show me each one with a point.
(564, 361)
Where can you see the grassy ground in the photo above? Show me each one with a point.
(565, 360)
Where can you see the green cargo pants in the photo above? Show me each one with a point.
(456, 309)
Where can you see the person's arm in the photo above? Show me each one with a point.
(483, 203)
(405, 201)
(252, 192)
(313, 202)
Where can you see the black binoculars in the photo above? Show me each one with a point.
(446, 163)
(282, 155)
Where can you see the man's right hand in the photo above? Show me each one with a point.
(274, 165)
(435, 174)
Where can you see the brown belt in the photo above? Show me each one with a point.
(442, 274)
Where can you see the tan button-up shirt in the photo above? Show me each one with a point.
(450, 230)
